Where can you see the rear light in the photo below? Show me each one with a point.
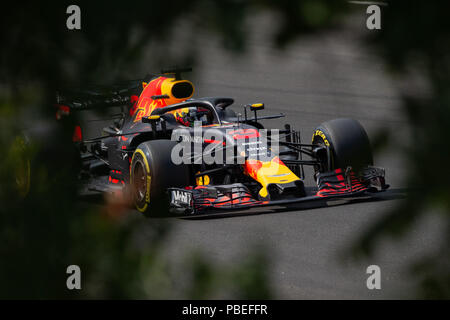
(62, 111)
(77, 136)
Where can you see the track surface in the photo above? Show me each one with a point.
(314, 80)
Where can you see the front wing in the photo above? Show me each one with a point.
(331, 185)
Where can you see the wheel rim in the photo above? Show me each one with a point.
(139, 182)
(318, 141)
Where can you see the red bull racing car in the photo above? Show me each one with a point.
(170, 152)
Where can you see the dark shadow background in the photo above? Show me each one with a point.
(50, 229)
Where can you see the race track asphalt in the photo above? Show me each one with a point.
(315, 79)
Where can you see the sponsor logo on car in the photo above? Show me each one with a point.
(181, 197)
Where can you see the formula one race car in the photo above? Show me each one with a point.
(169, 152)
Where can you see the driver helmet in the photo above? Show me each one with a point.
(188, 116)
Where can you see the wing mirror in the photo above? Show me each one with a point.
(257, 106)
(151, 119)
(253, 107)
(154, 120)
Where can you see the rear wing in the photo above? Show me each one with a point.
(94, 97)
(70, 101)
(98, 97)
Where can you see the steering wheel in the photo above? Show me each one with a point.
(197, 115)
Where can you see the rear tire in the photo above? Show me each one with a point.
(45, 157)
(151, 172)
(348, 142)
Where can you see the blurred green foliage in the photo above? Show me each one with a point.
(415, 41)
(50, 229)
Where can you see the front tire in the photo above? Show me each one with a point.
(152, 171)
(347, 141)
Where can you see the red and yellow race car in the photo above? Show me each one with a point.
(171, 153)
